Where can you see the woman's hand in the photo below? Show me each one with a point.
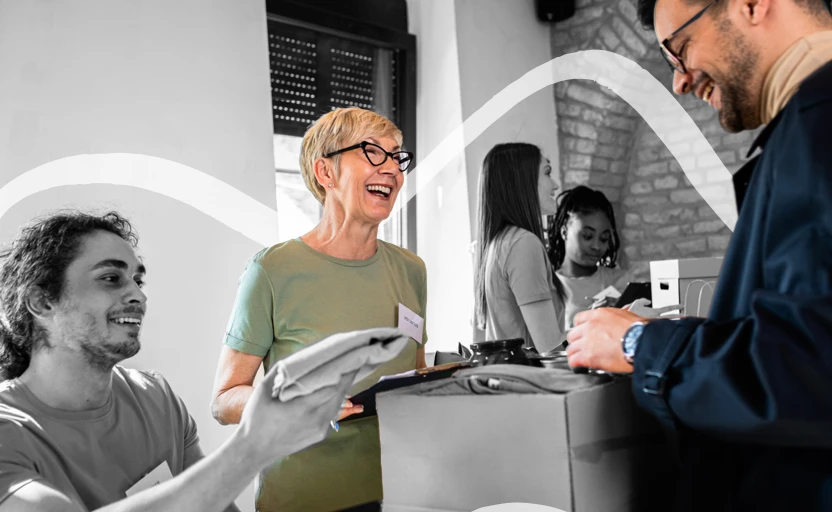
(348, 409)
(605, 302)
(639, 307)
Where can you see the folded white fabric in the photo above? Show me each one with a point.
(325, 363)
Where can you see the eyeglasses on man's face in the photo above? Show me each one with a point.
(377, 155)
(672, 57)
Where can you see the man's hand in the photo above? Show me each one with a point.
(274, 429)
(595, 341)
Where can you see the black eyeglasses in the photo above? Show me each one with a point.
(377, 155)
(670, 56)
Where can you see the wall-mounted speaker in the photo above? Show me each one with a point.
(554, 10)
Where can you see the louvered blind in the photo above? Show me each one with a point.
(294, 61)
(313, 73)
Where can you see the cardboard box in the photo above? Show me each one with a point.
(584, 451)
(689, 282)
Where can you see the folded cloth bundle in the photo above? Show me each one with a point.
(325, 363)
(500, 379)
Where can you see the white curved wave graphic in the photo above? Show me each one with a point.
(258, 222)
(197, 189)
(518, 507)
(660, 110)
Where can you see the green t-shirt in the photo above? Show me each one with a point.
(291, 296)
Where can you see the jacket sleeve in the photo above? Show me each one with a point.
(765, 377)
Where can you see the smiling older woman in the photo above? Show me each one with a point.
(338, 277)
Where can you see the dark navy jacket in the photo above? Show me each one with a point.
(748, 391)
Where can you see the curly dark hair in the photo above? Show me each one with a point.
(583, 200)
(39, 257)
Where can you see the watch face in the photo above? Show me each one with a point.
(631, 339)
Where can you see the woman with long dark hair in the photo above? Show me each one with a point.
(516, 292)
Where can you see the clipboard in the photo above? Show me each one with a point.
(367, 398)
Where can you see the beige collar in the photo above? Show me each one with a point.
(802, 59)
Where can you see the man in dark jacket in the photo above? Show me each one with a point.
(747, 391)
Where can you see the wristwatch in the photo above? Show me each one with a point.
(629, 341)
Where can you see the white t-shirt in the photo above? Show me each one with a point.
(580, 290)
(517, 272)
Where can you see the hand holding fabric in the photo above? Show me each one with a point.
(274, 428)
(324, 364)
(293, 407)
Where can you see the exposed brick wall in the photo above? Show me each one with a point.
(664, 216)
(596, 134)
(606, 145)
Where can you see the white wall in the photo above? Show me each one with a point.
(187, 81)
(468, 51)
(443, 233)
(499, 42)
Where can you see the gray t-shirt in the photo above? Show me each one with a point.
(580, 290)
(517, 272)
(94, 456)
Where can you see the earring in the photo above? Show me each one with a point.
(330, 185)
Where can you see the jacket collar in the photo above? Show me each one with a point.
(813, 88)
(764, 135)
(742, 177)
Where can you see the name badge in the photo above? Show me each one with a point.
(410, 323)
(157, 476)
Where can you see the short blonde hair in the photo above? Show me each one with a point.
(335, 130)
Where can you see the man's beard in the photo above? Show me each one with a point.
(99, 352)
(739, 111)
(103, 355)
